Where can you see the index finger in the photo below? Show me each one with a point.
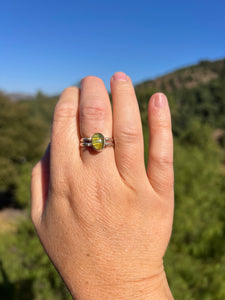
(65, 137)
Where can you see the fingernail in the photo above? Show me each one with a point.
(159, 100)
(120, 76)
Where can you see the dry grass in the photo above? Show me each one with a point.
(10, 218)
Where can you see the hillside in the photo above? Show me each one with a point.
(195, 93)
(187, 77)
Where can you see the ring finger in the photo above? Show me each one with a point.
(95, 116)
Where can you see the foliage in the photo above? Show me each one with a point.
(22, 191)
(24, 130)
(195, 259)
(25, 270)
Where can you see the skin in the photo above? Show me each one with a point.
(104, 221)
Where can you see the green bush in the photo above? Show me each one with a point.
(25, 270)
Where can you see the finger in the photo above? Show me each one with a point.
(39, 186)
(160, 163)
(95, 116)
(127, 128)
(65, 138)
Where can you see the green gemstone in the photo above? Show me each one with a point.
(98, 141)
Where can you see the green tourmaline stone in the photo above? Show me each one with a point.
(97, 141)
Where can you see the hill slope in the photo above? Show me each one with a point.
(187, 77)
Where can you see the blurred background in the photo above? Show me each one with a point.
(176, 47)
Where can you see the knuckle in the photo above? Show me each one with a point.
(129, 134)
(93, 111)
(163, 161)
(64, 109)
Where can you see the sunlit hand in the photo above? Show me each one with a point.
(103, 220)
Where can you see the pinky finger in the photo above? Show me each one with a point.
(160, 163)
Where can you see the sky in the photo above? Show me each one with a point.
(48, 45)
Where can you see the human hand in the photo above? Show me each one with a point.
(103, 220)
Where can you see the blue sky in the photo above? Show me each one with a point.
(49, 45)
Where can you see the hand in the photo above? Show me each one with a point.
(103, 220)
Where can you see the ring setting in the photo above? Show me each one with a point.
(97, 141)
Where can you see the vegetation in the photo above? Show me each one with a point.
(195, 258)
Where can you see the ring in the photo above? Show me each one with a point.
(97, 141)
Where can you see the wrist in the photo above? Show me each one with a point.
(162, 292)
(156, 288)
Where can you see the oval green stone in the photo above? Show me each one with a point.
(98, 141)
